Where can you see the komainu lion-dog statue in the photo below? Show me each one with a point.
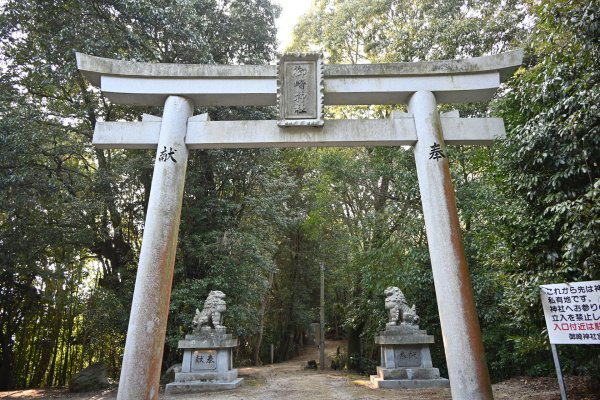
(398, 309)
(212, 312)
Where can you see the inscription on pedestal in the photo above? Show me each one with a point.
(407, 357)
(300, 90)
(203, 360)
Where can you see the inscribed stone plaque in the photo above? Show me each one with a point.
(300, 89)
(407, 356)
(203, 360)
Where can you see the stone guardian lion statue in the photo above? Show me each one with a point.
(398, 309)
(212, 312)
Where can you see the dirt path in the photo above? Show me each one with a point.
(291, 381)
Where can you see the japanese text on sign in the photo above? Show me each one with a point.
(572, 312)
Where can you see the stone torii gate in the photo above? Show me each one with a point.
(300, 85)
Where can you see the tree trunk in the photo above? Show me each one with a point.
(6, 373)
(55, 342)
(50, 377)
(263, 309)
(353, 347)
(41, 366)
(67, 357)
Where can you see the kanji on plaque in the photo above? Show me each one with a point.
(300, 85)
(299, 80)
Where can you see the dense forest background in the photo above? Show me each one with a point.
(256, 224)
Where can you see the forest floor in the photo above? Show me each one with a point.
(292, 381)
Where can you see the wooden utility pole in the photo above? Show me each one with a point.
(322, 335)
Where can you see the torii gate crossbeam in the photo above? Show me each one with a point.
(182, 87)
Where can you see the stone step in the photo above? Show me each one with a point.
(408, 373)
(201, 386)
(379, 383)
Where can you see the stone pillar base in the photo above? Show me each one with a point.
(207, 363)
(201, 386)
(408, 378)
(379, 383)
(406, 360)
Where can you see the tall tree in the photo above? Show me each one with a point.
(550, 158)
(75, 205)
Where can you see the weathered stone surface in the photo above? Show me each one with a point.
(91, 378)
(194, 386)
(94, 67)
(398, 308)
(379, 383)
(206, 376)
(208, 339)
(403, 334)
(204, 134)
(453, 81)
(300, 88)
(207, 363)
(140, 373)
(463, 344)
(408, 373)
(405, 355)
(211, 315)
(169, 375)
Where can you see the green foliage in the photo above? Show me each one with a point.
(67, 207)
(402, 31)
(528, 206)
(557, 98)
(367, 218)
(550, 159)
(256, 224)
(382, 227)
(233, 218)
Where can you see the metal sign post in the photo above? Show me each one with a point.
(559, 375)
(572, 312)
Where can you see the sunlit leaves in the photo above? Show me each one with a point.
(550, 161)
(357, 31)
(67, 206)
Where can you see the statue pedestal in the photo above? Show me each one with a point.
(406, 360)
(207, 363)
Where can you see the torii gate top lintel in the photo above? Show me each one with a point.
(453, 81)
(149, 84)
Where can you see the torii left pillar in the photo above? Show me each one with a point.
(142, 360)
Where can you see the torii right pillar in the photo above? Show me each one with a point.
(467, 369)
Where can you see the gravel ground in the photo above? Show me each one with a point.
(291, 381)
